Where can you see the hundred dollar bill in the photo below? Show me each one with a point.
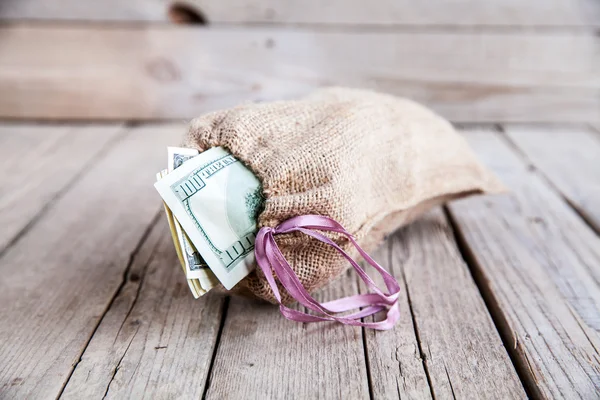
(195, 266)
(194, 285)
(216, 199)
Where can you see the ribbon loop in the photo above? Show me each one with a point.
(270, 259)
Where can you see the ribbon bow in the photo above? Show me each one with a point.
(269, 259)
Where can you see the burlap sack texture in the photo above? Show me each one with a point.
(371, 161)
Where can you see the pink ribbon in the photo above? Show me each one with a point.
(269, 259)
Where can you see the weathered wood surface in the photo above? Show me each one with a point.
(569, 157)
(38, 164)
(538, 265)
(94, 304)
(155, 341)
(462, 353)
(58, 280)
(561, 13)
(154, 72)
(395, 363)
(263, 355)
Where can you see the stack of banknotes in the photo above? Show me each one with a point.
(212, 202)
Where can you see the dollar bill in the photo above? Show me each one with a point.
(195, 266)
(193, 284)
(176, 156)
(216, 199)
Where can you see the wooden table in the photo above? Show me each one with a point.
(500, 295)
(500, 298)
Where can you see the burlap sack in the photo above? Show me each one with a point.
(372, 162)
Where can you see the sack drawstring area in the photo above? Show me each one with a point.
(270, 259)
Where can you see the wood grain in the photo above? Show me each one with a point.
(394, 357)
(569, 157)
(155, 341)
(463, 354)
(38, 163)
(561, 13)
(263, 355)
(538, 265)
(58, 280)
(153, 72)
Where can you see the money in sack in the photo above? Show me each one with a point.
(285, 196)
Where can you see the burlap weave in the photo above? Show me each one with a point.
(372, 162)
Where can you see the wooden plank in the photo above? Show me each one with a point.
(394, 357)
(263, 355)
(141, 72)
(538, 265)
(562, 13)
(58, 280)
(155, 341)
(462, 351)
(570, 158)
(38, 163)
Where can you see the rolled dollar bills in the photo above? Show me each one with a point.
(194, 284)
(214, 200)
(195, 266)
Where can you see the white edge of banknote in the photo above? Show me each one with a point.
(227, 278)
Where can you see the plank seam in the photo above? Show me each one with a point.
(224, 312)
(415, 327)
(85, 168)
(588, 221)
(127, 278)
(513, 347)
(130, 262)
(366, 352)
(314, 26)
(120, 361)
